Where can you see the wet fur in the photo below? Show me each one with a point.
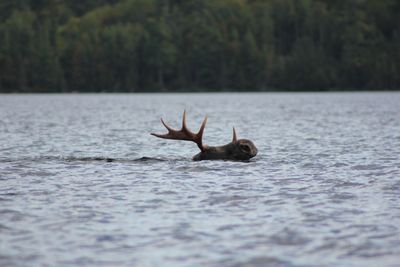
(231, 151)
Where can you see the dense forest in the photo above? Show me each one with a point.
(193, 45)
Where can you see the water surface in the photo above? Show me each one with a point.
(82, 183)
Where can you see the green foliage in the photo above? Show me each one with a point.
(172, 45)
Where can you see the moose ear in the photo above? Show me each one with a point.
(234, 139)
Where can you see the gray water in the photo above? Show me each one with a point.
(82, 183)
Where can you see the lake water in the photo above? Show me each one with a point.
(324, 189)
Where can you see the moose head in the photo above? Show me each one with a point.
(241, 149)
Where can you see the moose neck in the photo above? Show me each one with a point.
(225, 152)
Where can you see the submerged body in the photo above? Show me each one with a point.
(242, 149)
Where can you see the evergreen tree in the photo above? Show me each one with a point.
(146, 45)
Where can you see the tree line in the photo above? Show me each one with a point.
(175, 45)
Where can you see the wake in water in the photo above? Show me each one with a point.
(87, 159)
(102, 159)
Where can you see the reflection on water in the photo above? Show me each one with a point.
(82, 183)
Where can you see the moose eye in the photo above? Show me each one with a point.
(245, 148)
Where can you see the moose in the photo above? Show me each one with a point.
(241, 149)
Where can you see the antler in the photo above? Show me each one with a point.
(234, 138)
(184, 133)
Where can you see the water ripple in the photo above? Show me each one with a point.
(82, 183)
